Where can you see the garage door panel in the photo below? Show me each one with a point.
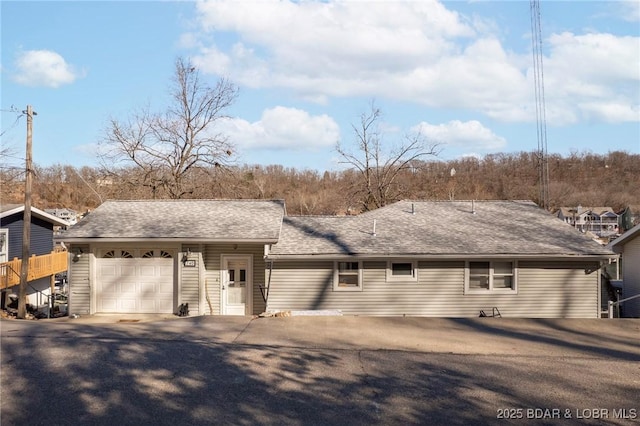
(128, 288)
(148, 270)
(135, 285)
(165, 291)
(108, 288)
(128, 305)
(108, 305)
(147, 288)
(166, 271)
(108, 270)
(128, 270)
(148, 305)
(165, 305)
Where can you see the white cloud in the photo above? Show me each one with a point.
(591, 76)
(308, 45)
(43, 68)
(420, 52)
(611, 112)
(283, 128)
(470, 135)
(629, 10)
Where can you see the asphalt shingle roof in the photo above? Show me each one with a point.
(437, 228)
(214, 220)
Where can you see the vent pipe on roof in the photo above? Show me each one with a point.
(374, 228)
(473, 206)
(413, 208)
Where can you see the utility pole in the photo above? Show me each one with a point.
(26, 225)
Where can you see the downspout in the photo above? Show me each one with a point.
(265, 293)
(266, 290)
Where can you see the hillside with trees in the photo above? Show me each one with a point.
(581, 178)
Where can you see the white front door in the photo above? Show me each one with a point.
(236, 285)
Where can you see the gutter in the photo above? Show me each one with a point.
(459, 256)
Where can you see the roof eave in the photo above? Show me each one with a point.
(37, 213)
(181, 240)
(451, 256)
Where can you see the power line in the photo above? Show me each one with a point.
(541, 119)
(15, 123)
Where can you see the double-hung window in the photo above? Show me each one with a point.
(347, 276)
(490, 276)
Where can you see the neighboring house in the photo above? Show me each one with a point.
(44, 263)
(153, 256)
(628, 218)
(628, 245)
(441, 258)
(599, 221)
(243, 257)
(68, 215)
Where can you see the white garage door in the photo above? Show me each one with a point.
(135, 281)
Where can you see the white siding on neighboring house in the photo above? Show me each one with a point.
(631, 277)
(544, 290)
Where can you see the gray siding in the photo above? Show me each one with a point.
(544, 290)
(549, 290)
(631, 278)
(190, 279)
(79, 282)
(212, 257)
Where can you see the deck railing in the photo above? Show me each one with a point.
(39, 267)
(612, 305)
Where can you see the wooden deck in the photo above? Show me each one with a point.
(39, 267)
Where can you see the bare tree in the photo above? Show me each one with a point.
(378, 167)
(167, 147)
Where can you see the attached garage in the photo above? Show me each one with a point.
(135, 280)
(154, 256)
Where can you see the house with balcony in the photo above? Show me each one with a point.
(45, 259)
(68, 215)
(602, 222)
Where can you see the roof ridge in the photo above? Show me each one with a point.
(197, 199)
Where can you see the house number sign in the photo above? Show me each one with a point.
(190, 263)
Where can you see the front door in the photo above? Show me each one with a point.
(236, 285)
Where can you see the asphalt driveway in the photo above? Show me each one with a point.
(320, 371)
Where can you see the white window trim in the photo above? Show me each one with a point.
(491, 290)
(402, 278)
(336, 273)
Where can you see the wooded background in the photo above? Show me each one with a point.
(578, 179)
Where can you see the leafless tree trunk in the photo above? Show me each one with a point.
(379, 168)
(167, 147)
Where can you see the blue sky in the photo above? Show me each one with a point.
(460, 73)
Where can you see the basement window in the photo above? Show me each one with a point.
(347, 276)
(490, 276)
(402, 271)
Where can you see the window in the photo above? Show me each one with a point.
(401, 271)
(487, 276)
(347, 276)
